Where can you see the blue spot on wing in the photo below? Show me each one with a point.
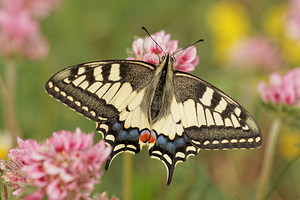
(117, 126)
(179, 142)
(123, 135)
(161, 141)
(134, 135)
(170, 147)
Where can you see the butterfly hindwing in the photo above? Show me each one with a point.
(172, 151)
(172, 145)
(120, 138)
(210, 118)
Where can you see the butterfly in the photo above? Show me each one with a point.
(135, 103)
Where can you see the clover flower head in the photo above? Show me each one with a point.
(19, 29)
(256, 51)
(146, 50)
(283, 89)
(292, 24)
(65, 167)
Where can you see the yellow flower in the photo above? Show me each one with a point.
(274, 25)
(229, 23)
(290, 50)
(5, 145)
(287, 144)
(274, 21)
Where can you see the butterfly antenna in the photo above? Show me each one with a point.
(157, 45)
(181, 49)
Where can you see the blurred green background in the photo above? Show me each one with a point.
(81, 31)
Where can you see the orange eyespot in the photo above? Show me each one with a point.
(145, 136)
(152, 138)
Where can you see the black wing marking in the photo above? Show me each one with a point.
(210, 118)
(99, 90)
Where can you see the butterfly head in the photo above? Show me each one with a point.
(167, 62)
(168, 59)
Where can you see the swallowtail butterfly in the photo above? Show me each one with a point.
(135, 103)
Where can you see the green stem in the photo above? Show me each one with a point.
(3, 194)
(268, 159)
(8, 92)
(127, 176)
(277, 180)
(10, 76)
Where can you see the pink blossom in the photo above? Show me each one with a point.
(36, 8)
(55, 190)
(263, 90)
(18, 25)
(21, 154)
(282, 89)
(103, 196)
(257, 52)
(293, 20)
(147, 50)
(65, 167)
(12, 174)
(19, 34)
(19, 29)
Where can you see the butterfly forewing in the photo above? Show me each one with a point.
(90, 88)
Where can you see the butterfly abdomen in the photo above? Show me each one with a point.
(157, 99)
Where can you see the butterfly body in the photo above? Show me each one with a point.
(135, 103)
(158, 96)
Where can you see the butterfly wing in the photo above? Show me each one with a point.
(210, 118)
(201, 117)
(109, 93)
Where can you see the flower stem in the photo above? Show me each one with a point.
(279, 177)
(5, 195)
(268, 159)
(8, 93)
(127, 176)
